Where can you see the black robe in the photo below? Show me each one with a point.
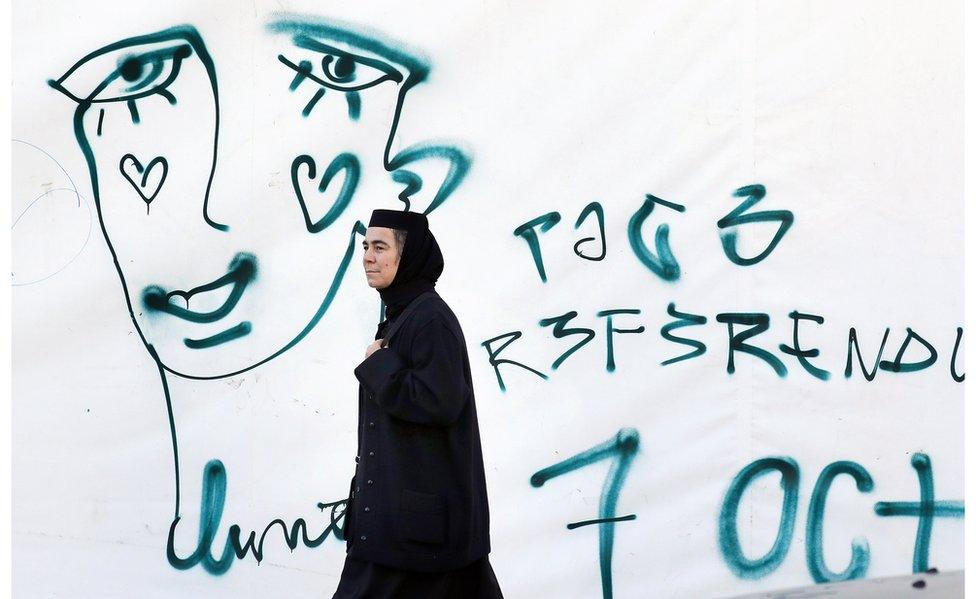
(419, 501)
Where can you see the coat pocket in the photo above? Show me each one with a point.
(423, 517)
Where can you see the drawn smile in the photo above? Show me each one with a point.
(242, 270)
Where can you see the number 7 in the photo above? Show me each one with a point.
(621, 448)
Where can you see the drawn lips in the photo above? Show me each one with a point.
(241, 271)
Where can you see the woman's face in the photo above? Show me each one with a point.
(380, 257)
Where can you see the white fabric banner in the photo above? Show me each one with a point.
(707, 257)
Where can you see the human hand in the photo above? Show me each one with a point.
(373, 347)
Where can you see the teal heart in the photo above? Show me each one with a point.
(130, 163)
(343, 162)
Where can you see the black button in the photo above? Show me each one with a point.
(362, 538)
(357, 488)
(371, 425)
(369, 482)
(371, 454)
(357, 459)
(366, 509)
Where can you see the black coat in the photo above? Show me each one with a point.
(419, 500)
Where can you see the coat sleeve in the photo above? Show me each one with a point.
(431, 389)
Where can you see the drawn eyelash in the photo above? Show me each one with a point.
(168, 95)
(353, 99)
(311, 103)
(134, 110)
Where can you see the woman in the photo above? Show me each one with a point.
(417, 517)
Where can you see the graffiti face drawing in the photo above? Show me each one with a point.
(231, 213)
(229, 217)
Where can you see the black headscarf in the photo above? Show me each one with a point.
(421, 262)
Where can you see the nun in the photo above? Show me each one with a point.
(416, 523)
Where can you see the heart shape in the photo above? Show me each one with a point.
(130, 163)
(343, 162)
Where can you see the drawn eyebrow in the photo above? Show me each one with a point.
(308, 33)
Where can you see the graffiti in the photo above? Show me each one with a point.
(728, 537)
(853, 347)
(145, 171)
(664, 264)
(345, 163)
(558, 331)
(148, 120)
(925, 510)
(802, 355)
(608, 314)
(621, 448)
(212, 508)
(495, 361)
(232, 223)
(952, 362)
(752, 193)
(860, 554)
(597, 209)
(684, 320)
(527, 231)
(184, 43)
(728, 534)
(756, 323)
(898, 366)
(759, 322)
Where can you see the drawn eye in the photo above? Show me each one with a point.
(142, 71)
(341, 70)
(131, 75)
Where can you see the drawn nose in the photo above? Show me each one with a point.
(207, 208)
(215, 224)
(210, 215)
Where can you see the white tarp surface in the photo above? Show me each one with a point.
(847, 115)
